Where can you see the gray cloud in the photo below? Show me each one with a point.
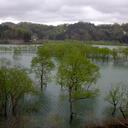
(54, 11)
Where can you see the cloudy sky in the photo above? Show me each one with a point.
(64, 11)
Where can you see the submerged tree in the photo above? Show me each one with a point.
(118, 97)
(14, 84)
(75, 72)
(113, 97)
(42, 64)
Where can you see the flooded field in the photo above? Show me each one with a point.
(51, 108)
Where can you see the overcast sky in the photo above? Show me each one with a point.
(64, 11)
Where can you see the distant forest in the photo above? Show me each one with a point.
(79, 31)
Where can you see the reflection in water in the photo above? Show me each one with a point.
(51, 108)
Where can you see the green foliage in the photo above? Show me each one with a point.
(85, 94)
(77, 69)
(23, 34)
(14, 84)
(42, 64)
(16, 51)
(75, 73)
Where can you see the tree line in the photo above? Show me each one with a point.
(79, 31)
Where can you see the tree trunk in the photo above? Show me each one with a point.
(71, 107)
(13, 107)
(114, 110)
(41, 78)
(71, 113)
(13, 111)
(5, 107)
(122, 112)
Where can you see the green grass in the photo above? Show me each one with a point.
(86, 42)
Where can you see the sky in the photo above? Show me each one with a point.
(54, 12)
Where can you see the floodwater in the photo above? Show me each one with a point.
(109, 46)
(52, 108)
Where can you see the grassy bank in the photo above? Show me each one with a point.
(18, 42)
(62, 41)
(86, 42)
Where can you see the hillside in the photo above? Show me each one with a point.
(27, 32)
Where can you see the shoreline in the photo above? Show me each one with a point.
(39, 42)
(23, 43)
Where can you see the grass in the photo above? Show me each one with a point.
(86, 42)
(40, 41)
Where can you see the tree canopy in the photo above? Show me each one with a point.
(78, 31)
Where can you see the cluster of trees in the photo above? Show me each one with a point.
(78, 31)
(14, 85)
(8, 31)
(74, 71)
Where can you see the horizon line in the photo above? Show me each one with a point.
(57, 23)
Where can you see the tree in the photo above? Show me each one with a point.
(14, 84)
(118, 97)
(3, 92)
(42, 64)
(113, 97)
(23, 34)
(75, 73)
